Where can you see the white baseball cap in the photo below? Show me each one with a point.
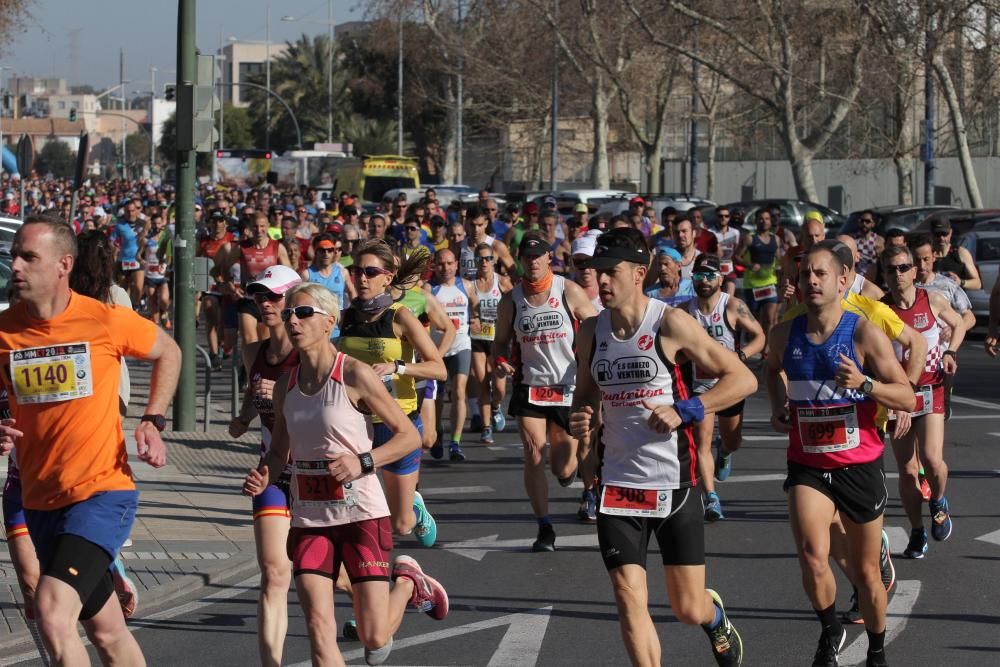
(584, 245)
(277, 279)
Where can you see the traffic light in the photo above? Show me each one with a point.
(170, 92)
(72, 115)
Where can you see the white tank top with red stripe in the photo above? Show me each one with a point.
(319, 426)
(628, 373)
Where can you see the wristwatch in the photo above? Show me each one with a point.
(400, 367)
(367, 463)
(159, 421)
(867, 386)
(742, 355)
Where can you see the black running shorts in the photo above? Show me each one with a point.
(521, 407)
(681, 536)
(733, 410)
(858, 492)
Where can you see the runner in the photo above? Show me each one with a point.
(634, 401)
(857, 283)
(684, 240)
(126, 236)
(583, 275)
(838, 368)
(540, 315)
(728, 241)
(993, 331)
(870, 244)
(384, 334)
(724, 318)
(340, 516)
(476, 227)
(490, 286)
(812, 233)
(157, 287)
(760, 281)
(213, 300)
(923, 443)
(77, 488)
(265, 362)
(325, 270)
(953, 261)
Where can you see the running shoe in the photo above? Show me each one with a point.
(499, 421)
(426, 528)
(487, 436)
(125, 589)
(727, 646)
(437, 449)
(546, 540)
(713, 507)
(566, 481)
(885, 566)
(350, 630)
(476, 423)
(876, 659)
(428, 596)
(828, 650)
(853, 615)
(925, 489)
(917, 546)
(588, 507)
(941, 519)
(455, 453)
(723, 461)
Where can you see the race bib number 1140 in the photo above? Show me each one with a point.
(53, 373)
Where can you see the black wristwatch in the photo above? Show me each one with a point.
(950, 353)
(866, 386)
(367, 463)
(159, 421)
(742, 355)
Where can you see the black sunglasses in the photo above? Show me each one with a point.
(942, 234)
(301, 312)
(898, 268)
(261, 297)
(369, 271)
(484, 258)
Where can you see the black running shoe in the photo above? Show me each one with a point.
(828, 650)
(546, 540)
(853, 615)
(876, 659)
(727, 646)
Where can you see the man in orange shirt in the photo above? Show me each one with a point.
(61, 354)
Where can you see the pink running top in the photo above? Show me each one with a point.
(320, 426)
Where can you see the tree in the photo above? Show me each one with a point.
(371, 136)
(55, 158)
(237, 125)
(137, 151)
(168, 139)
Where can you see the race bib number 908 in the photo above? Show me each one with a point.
(51, 374)
(625, 501)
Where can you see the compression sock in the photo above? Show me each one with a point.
(876, 641)
(715, 622)
(828, 619)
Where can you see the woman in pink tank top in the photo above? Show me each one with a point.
(339, 513)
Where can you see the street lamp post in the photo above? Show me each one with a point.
(152, 120)
(267, 108)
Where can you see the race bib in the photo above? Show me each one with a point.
(315, 487)
(152, 268)
(555, 395)
(486, 332)
(622, 501)
(767, 292)
(726, 267)
(825, 430)
(51, 374)
(130, 266)
(925, 401)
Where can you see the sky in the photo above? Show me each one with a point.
(147, 31)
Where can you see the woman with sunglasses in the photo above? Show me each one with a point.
(325, 270)
(381, 332)
(266, 361)
(490, 286)
(339, 513)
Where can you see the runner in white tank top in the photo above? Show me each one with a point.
(631, 389)
(539, 316)
(339, 513)
(724, 318)
(488, 388)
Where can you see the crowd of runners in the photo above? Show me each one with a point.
(373, 337)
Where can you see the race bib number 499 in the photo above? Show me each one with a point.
(51, 374)
(825, 430)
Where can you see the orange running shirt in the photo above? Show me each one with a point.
(62, 376)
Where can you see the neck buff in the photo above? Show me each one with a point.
(536, 286)
(376, 305)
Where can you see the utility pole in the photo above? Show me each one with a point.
(267, 100)
(928, 145)
(329, 71)
(554, 146)
(399, 92)
(121, 81)
(152, 120)
(459, 140)
(694, 128)
(184, 246)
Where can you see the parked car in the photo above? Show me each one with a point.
(985, 248)
(681, 202)
(893, 217)
(793, 212)
(962, 220)
(8, 227)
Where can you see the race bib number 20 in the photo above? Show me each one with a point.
(51, 374)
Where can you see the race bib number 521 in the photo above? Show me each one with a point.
(51, 374)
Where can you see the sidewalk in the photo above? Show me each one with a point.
(193, 528)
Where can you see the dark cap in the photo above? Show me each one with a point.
(217, 215)
(531, 208)
(623, 244)
(704, 263)
(940, 225)
(534, 245)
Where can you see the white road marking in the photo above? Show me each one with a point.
(896, 616)
(778, 477)
(455, 490)
(764, 438)
(974, 402)
(898, 539)
(477, 548)
(519, 647)
(992, 538)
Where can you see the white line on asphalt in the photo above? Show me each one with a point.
(975, 402)
(896, 616)
(779, 477)
(456, 490)
(992, 406)
(477, 548)
(762, 438)
(992, 538)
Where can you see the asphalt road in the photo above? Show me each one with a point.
(512, 607)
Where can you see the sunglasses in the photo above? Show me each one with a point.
(942, 234)
(723, 215)
(261, 297)
(484, 258)
(698, 276)
(369, 271)
(898, 268)
(412, 228)
(301, 312)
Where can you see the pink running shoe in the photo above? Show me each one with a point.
(429, 595)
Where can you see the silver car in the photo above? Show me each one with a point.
(985, 248)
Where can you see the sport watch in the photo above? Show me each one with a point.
(867, 386)
(367, 463)
(159, 421)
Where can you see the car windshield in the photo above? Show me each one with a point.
(988, 249)
(5, 274)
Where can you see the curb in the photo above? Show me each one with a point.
(154, 602)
